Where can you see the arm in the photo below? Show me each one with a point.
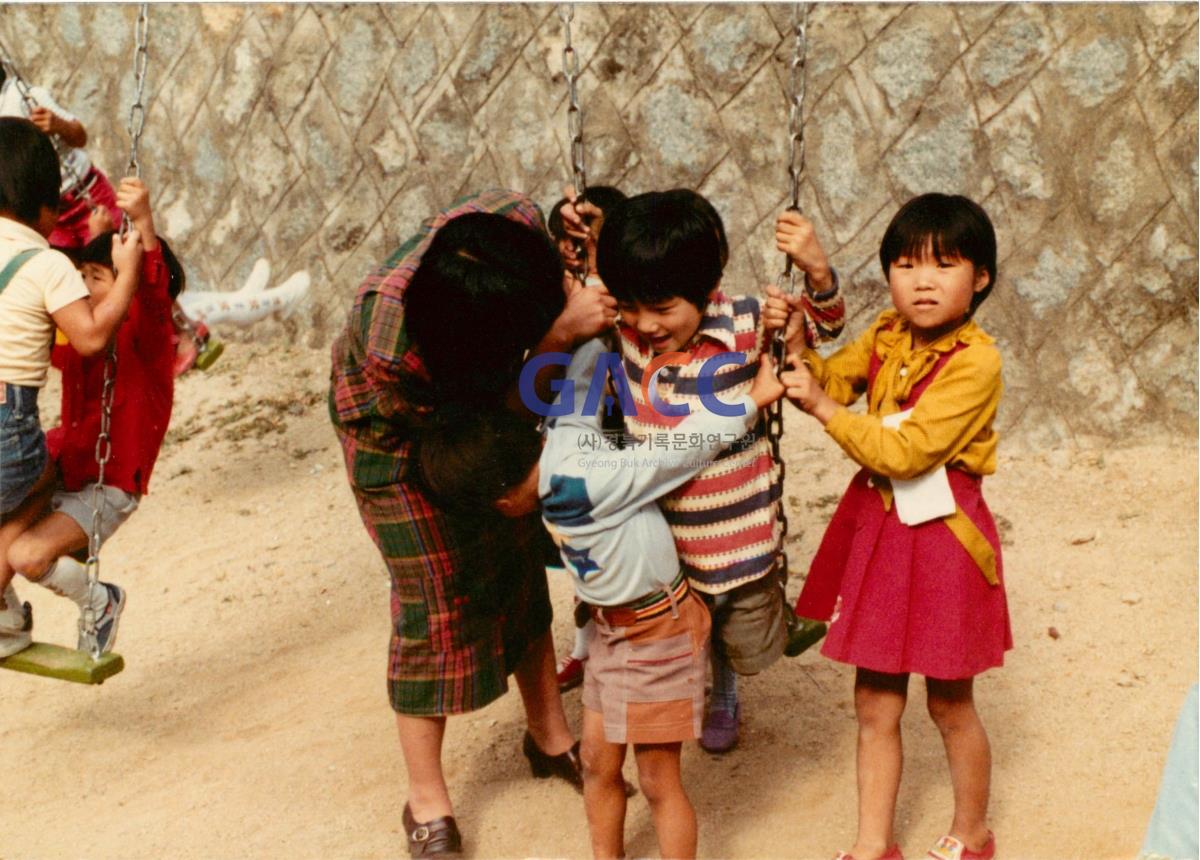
(133, 198)
(52, 118)
(91, 328)
(952, 411)
(817, 314)
(588, 312)
(625, 480)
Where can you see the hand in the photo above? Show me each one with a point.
(127, 252)
(45, 119)
(804, 391)
(582, 221)
(795, 236)
(133, 197)
(766, 388)
(99, 221)
(782, 311)
(588, 312)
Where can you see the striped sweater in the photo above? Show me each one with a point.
(723, 520)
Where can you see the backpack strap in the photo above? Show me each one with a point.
(6, 274)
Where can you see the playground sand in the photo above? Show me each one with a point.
(252, 721)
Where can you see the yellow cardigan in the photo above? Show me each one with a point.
(951, 424)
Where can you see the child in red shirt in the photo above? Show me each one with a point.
(143, 393)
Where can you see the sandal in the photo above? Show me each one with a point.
(949, 848)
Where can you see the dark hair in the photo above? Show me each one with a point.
(469, 459)
(29, 173)
(99, 251)
(956, 228)
(486, 290)
(605, 197)
(662, 245)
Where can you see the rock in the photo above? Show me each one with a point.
(1132, 598)
(1053, 633)
(1080, 541)
(1060, 606)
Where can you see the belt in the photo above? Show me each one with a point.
(650, 606)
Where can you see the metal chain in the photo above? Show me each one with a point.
(137, 117)
(87, 624)
(570, 68)
(787, 280)
(76, 184)
(137, 111)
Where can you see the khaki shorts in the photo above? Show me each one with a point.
(115, 509)
(750, 623)
(647, 680)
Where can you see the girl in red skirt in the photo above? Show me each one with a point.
(909, 572)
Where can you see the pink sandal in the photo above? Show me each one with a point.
(949, 848)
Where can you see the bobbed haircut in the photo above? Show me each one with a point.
(605, 197)
(99, 251)
(469, 458)
(29, 172)
(486, 290)
(951, 226)
(662, 245)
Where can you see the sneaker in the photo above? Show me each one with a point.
(16, 624)
(106, 624)
(720, 731)
(570, 673)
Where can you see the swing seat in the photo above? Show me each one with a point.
(64, 664)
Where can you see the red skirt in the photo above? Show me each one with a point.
(71, 229)
(907, 598)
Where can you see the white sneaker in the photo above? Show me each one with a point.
(16, 624)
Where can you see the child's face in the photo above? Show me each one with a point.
(934, 295)
(98, 279)
(522, 498)
(666, 326)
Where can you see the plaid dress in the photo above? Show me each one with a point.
(468, 593)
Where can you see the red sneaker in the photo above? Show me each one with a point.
(570, 673)
(949, 848)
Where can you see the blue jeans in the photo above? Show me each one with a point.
(22, 445)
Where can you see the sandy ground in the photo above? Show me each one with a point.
(251, 720)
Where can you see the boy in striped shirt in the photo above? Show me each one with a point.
(661, 255)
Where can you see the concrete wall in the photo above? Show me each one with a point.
(319, 136)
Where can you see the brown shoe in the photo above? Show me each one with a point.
(437, 838)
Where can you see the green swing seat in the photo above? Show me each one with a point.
(63, 664)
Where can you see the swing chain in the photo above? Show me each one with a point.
(787, 280)
(570, 68)
(103, 455)
(137, 111)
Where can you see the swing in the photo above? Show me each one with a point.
(89, 666)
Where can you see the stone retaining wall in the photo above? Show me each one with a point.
(319, 136)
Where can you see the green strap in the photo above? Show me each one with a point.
(6, 274)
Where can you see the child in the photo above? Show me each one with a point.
(85, 190)
(39, 289)
(644, 683)
(661, 255)
(141, 409)
(925, 597)
(602, 198)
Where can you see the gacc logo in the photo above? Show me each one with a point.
(609, 366)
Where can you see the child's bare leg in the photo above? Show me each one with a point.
(15, 523)
(952, 707)
(603, 788)
(661, 782)
(421, 742)
(38, 547)
(879, 703)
